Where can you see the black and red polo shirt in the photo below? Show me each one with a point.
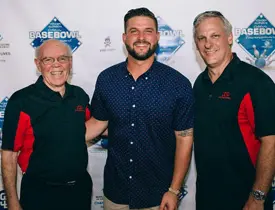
(48, 131)
(230, 117)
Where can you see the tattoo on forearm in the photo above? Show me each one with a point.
(188, 132)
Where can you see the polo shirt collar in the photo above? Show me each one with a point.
(49, 93)
(228, 73)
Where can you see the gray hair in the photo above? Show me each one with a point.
(37, 50)
(211, 14)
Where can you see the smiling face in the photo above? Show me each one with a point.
(57, 73)
(213, 43)
(141, 37)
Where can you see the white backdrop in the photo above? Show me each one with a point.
(98, 27)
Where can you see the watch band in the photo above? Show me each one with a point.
(178, 193)
(175, 192)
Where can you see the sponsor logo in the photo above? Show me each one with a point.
(3, 105)
(79, 108)
(56, 30)
(258, 40)
(225, 95)
(98, 201)
(4, 52)
(107, 42)
(170, 41)
(3, 200)
(107, 45)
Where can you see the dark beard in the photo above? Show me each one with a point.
(147, 55)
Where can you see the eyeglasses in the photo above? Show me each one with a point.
(63, 59)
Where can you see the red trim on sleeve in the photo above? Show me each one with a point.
(24, 140)
(247, 126)
(87, 114)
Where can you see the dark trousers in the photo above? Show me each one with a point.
(43, 195)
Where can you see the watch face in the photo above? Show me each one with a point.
(258, 195)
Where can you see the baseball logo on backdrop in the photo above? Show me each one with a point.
(56, 30)
(258, 40)
(170, 41)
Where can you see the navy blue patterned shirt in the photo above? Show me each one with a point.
(143, 116)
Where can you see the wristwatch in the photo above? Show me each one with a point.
(258, 195)
(175, 192)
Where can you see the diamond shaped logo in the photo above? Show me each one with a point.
(56, 30)
(184, 191)
(258, 40)
(170, 41)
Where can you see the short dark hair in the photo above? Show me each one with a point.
(139, 12)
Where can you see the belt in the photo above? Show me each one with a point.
(69, 183)
(50, 182)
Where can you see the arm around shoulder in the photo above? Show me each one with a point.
(94, 128)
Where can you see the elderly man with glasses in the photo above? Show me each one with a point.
(44, 132)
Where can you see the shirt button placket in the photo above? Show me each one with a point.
(131, 142)
(133, 106)
(133, 129)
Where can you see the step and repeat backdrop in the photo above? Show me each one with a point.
(94, 31)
